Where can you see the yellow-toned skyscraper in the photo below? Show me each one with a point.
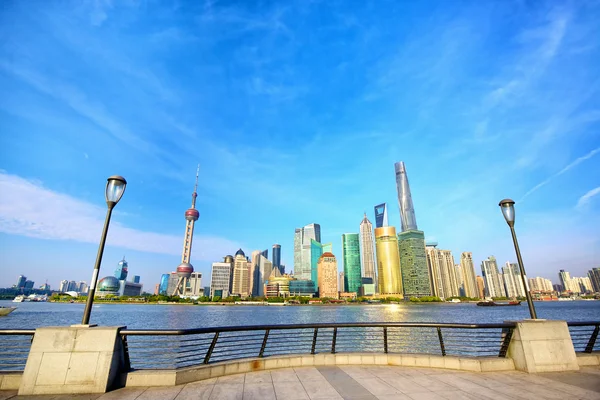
(388, 261)
(327, 271)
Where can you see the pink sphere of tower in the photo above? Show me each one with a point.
(192, 214)
(185, 270)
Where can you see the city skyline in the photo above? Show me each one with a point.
(310, 127)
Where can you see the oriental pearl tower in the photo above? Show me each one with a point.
(185, 269)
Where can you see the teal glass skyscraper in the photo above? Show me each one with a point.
(316, 250)
(351, 257)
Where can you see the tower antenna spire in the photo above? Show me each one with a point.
(195, 194)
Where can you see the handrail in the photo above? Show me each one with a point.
(580, 343)
(17, 332)
(196, 331)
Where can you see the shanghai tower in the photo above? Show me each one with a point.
(407, 211)
(411, 242)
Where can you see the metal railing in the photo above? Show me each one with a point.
(14, 348)
(172, 349)
(584, 335)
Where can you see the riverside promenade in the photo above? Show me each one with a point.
(364, 383)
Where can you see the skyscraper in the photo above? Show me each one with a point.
(341, 286)
(351, 258)
(164, 284)
(381, 215)
(21, 282)
(121, 271)
(594, 275)
(411, 241)
(328, 275)
(185, 269)
(316, 250)
(493, 280)
(388, 261)
(565, 279)
(302, 257)
(407, 211)
(221, 277)
(468, 273)
(240, 286)
(277, 257)
(262, 272)
(480, 287)
(367, 251)
(64, 286)
(413, 263)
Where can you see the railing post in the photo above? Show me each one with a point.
(385, 342)
(506, 337)
(211, 348)
(439, 331)
(333, 340)
(126, 359)
(314, 342)
(264, 343)
(590, 346)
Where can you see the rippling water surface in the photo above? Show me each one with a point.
(33, 315)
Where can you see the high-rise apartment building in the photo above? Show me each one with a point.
(121, 271)
(513, 283)
(221, 278)
(63, 287)
(381, 215)
(582, 284)
(493, 279)
(351, 258)
(367, 249)
(302, 249)
(277, 257)
(328, 275)
(444, 282)
(241, 281)
(594, 275)
(388, 261)
(72, 286)
(468, 274)
(539, 284)
(565, 280)
(480, 287)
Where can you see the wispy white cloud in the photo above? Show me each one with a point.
(586, 198)
(571, 165)
(29, 209)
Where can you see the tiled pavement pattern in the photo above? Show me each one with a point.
(366, 383)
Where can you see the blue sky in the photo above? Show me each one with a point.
(296, 113)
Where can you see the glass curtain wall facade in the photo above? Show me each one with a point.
(367, 249)
(351, 257)
(381, 215)
(388, 261)
(413, 261)
(316, 250)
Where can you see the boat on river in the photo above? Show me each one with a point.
(6, 310)
(494, 304)
(19, 299)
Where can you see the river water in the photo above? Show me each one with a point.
(32, 315)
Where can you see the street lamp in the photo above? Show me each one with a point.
(115, 187)
(508, 210)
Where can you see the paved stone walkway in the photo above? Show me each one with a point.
(366, 383)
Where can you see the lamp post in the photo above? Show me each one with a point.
(508, 210)
(115, 187)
